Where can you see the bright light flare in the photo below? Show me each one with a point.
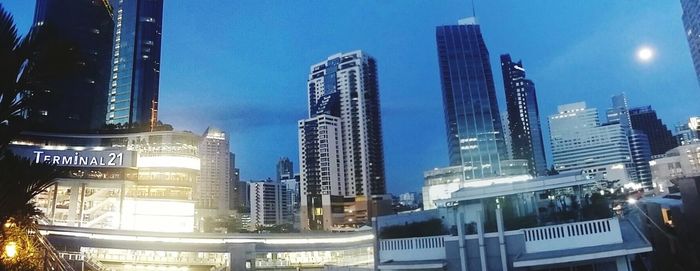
(645, 54)
(631, 201)
(11, 250)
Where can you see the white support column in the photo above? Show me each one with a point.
(462, 250)
(501, 239)
(482, 249)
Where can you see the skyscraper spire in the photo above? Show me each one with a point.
(473, 9)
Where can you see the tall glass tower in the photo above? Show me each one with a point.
(523, 116)
(73, 99)
(474, 132)
(133, 89)
(691, 23)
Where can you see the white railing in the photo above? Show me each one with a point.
(573, 235)
(412, 249)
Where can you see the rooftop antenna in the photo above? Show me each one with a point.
(473, 9)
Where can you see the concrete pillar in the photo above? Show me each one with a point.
(621, 263)
(462, 249)
(376, 230)
(501, 239)
(73, 204)
(482, 249)
(242, 257)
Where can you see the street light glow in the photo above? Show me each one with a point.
(11, 249)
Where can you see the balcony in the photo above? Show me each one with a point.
(573, 235)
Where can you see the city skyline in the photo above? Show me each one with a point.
(253, 114)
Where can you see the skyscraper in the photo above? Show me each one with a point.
(340, 143)
(133, 89)
(285, 167)
(691, 23)
(213, 183)
(474, 136)
(640, 149)
(74, 98)
(579, 141)
(234, 197)
(660, 138)
(523, 116)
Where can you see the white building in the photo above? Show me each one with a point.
(340, 143)
(269, 204)
(213, 185)
(579, 141)
(682, 161)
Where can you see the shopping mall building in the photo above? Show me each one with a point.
(125, 202)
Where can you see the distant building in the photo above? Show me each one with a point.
(235, 177)
(691, 23)
(213, 183)
(341, 152)
(269, 204)
(523, 114)
(682, 161)
(285, 168)
(579, 141)
(660, 138)
(134, 85)
(474, 130)
(688, 132)
(74, 100)
(412, 199)
(244, 196)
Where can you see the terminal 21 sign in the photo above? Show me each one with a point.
(75, 158)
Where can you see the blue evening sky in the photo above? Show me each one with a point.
(242, 65)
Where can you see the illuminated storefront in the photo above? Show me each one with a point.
(137, 181)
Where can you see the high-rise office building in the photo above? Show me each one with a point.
(640, 149)
(213, 183)
(579, 141)
(340, 143)
(691, 23)
(133, 89)
(79, 33)
(285, 168)
(506, 135)
(523, 116)
(660, 138)
(474, 136)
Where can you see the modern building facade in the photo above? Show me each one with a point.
(523, 116)
(506, 135)
(640, 148)
(269, 204)
(213, 184)
(136, 181)
(134, 82)
(691, 23)
(285, 168)
(579, 141)
(660, 138)
(474, 136)
(73, 98)
(340, 143)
